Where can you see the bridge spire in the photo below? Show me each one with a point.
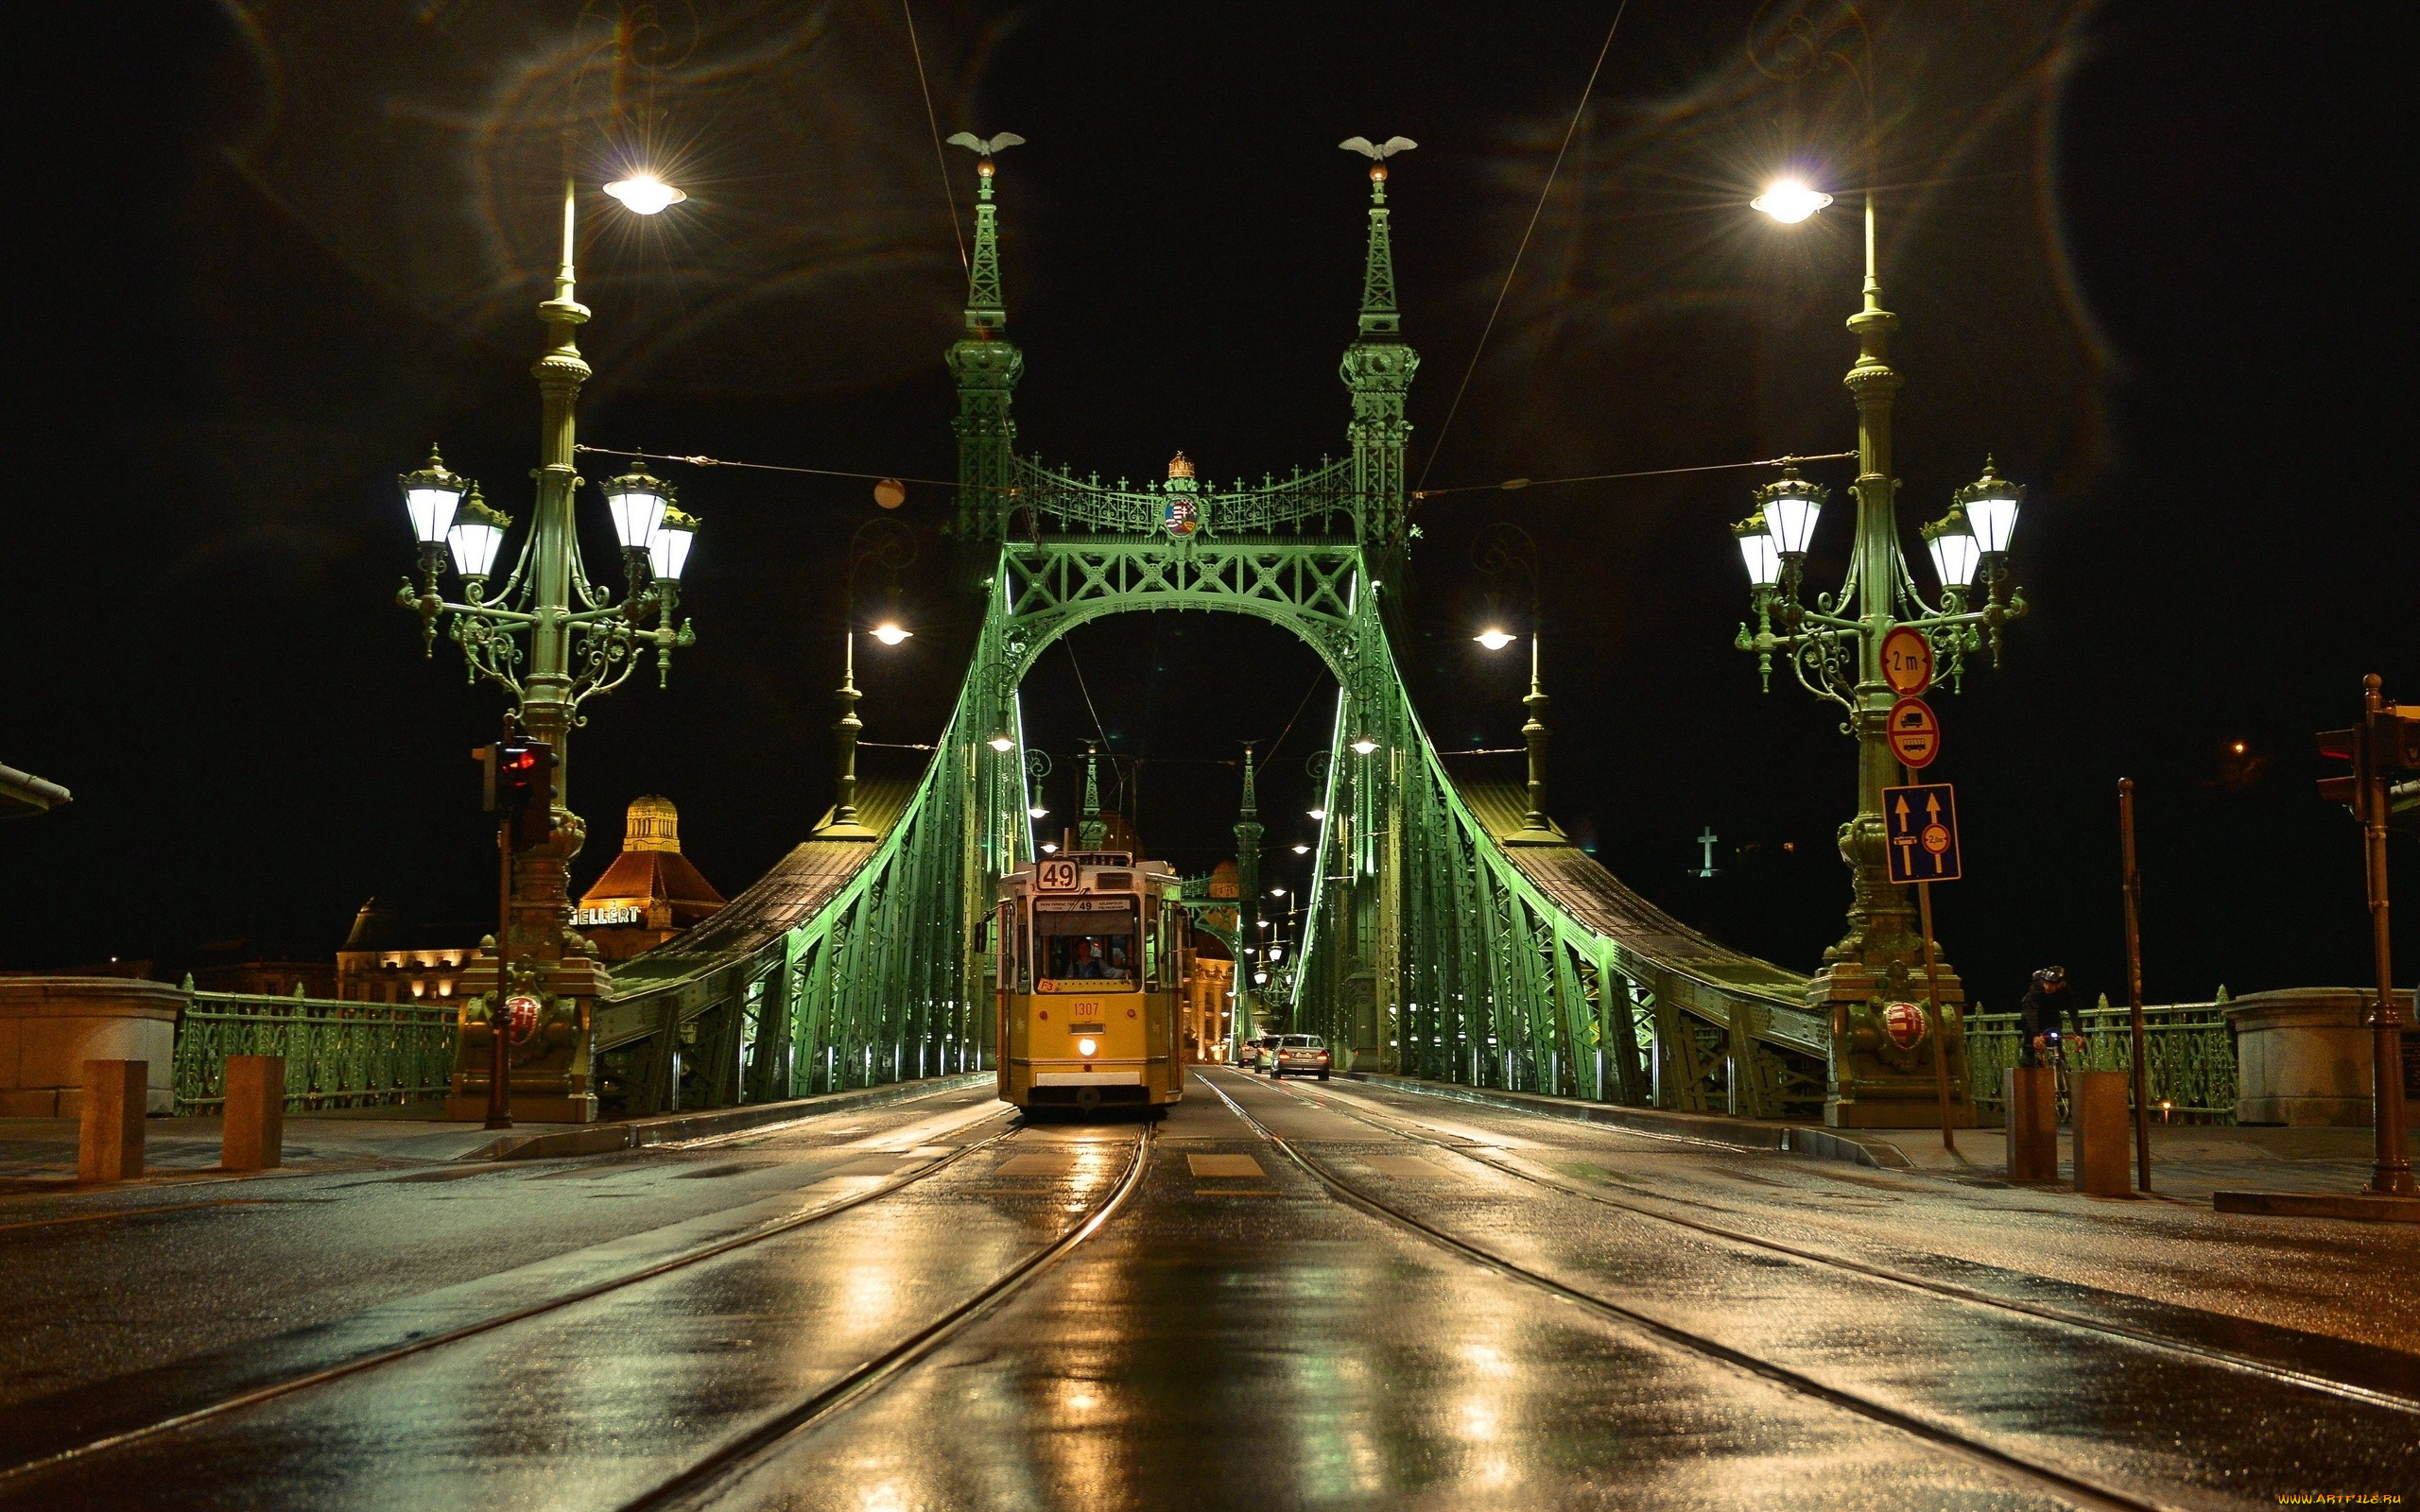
(1093, 828)
(1378, 368)
(986, 365)
(1250, 957)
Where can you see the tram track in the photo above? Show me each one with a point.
(1944, 1437)
(233, 1402)
(698, 1483)
(2207, 1354)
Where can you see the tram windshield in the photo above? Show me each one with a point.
(1085, 944)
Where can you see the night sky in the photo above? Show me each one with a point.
(271, 251)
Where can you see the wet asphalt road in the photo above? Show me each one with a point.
(1408, 1303)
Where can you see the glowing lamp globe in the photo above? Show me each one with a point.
(430, 496)
(478, 533)
(1991, 503)
(1494, 639)
(668, 550)
(1790, 505)
(1756, 549)
(890, 634)
(644, 193)
(637, 500)
(1789, 200)
(1953, 547)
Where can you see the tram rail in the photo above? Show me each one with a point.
(699, 1483)
(2031, 1472)
(102, 1444)
(2249, 1365)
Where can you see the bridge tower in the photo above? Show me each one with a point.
(1452, 932)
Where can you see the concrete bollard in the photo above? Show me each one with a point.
(2031, 1095)
(109, 1143)
(253, 1137)
(2097, 1101)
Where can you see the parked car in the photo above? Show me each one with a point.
(1299, 1055)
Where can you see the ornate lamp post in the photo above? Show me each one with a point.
(892, 546)
(1834, 646)
(1500, 547)
(552, 640)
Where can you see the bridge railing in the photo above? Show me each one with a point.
(2188, 1052)
(1321, 500)
(338, 1053)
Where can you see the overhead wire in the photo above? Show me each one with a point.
(1513, 484)
(763, 467)
(1527, 231)
(941, 158)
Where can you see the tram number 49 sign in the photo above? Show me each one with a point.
(1056, 876)
(1921, 823)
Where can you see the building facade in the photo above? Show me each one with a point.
(651, 893)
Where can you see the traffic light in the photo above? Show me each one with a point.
(521, 783)
(2387, 741)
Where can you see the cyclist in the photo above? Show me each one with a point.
(2048, 1004)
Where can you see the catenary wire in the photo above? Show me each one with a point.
(1514, 485)
(941, 158)
(1527, 231)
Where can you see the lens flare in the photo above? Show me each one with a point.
(644, 193)
(1789, 201)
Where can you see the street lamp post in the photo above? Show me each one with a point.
(1835, 649)
(552, 640)
(1500, 547)
(892, 546)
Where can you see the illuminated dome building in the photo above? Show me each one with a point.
(651, 893)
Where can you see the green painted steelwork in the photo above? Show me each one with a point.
(2189, 1054)
(338, 1053)
(1431, 948)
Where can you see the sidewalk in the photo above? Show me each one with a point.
(38, 1155)
(2189, 1163)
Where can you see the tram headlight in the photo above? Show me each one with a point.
(1085, 1047)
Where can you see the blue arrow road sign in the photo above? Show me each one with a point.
(1921, 824)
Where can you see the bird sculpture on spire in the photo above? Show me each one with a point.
(1362, 145)
(983, 148)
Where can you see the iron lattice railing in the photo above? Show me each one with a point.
(1053, 502)
(337, 1055)
(2189, 1049)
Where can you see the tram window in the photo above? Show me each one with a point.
(1094, 945)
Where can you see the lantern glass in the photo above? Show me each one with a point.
(475, 540)
(668, 550)
(1757, 551)
(1994, 517)
(432, 511)
(637, 503)
(1494, 639)
(1791, 515)
(1954, 556)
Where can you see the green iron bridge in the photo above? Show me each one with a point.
(1450, 937)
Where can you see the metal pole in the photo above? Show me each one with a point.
(2132, 884)
(499, 1019)
(2392, 1174)
(1940, 1030)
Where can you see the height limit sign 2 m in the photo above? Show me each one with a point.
(1921, 824)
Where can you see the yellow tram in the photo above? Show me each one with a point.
(1088, 963)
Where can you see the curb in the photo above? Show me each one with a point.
(605, 1139)
(1710, 1128)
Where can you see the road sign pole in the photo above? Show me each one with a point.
(1940, 1029)
(2391, 1176)
(2132, 884)
(500, 1017)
